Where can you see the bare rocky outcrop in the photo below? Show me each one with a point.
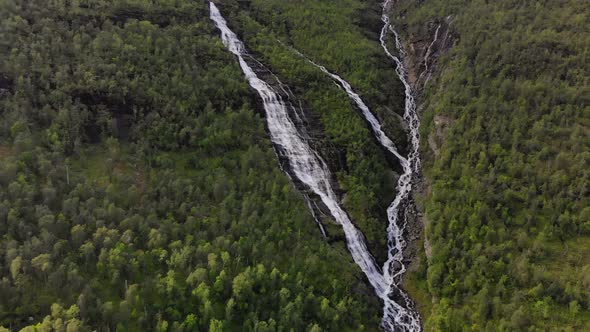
(424, 50)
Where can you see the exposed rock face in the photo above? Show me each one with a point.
(425, 49)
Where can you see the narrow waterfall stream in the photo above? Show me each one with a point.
(309, 168)
(411, 118)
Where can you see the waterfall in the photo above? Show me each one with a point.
(304, 163)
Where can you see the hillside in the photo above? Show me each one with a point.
(506, 132)
(308, 165)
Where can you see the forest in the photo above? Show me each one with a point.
(139, 190)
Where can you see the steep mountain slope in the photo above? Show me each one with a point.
(507, 131)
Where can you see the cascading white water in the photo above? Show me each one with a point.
(413, 122)
(304, 163)
(396, 316)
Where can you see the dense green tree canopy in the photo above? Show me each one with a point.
(139, 191)
(508, 207)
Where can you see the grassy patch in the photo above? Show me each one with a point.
(102, 166)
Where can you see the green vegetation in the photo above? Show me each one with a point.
(138, 190)
(508, 213)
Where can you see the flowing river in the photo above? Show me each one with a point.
(309, 168)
